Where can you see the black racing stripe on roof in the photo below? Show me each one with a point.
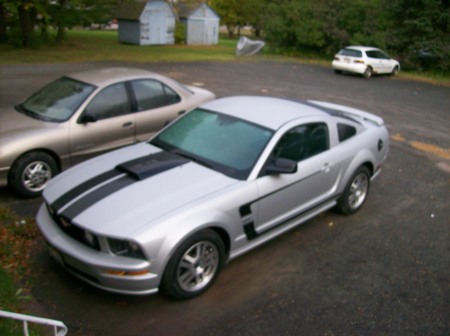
(327, 110)
(330, 111)
(82, 188)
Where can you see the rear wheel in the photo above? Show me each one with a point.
(30, 174)
(355, 192)
(194, 266)
(368, 72)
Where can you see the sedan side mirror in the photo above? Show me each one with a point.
(87, 118)
(281, 166)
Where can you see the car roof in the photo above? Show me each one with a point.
(268, 112)
(363, 48)
(106, 76)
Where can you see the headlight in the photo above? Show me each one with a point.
(125, 248)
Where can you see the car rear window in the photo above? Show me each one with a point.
(350, 53)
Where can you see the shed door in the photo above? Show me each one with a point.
(158, 27)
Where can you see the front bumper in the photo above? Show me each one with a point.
(106, 271)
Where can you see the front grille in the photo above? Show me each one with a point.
(73, 231)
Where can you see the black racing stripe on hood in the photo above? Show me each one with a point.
(98, 194)
(82, 188)
(132, 171)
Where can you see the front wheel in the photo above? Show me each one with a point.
(395, 71)
(355, 192)
(30, 174)
(194, 266)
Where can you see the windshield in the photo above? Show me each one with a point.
(57, 101)
(227, 144)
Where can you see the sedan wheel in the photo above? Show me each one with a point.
(30, 174)
(355, 192)
(194, 266)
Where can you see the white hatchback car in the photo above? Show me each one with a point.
(365, 61)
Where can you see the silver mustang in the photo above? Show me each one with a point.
(82, 115)
(228, 176)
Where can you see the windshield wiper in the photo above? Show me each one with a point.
(191, 157)
(171, 149)
(22, 109)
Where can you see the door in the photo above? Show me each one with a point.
(106, 123)
(158, 27)
(286, 196)
(157, 105)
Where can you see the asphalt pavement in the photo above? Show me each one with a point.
(382, 271)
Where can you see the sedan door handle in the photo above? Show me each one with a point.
(181, 112)
(127, 124)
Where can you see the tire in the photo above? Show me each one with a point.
(194, 266)
(30, 174)
(355, 192)
(395, 71)
(337, 72)
(368, 72)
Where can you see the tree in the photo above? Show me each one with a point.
(237, 13)
(416, 24)
(24, 16)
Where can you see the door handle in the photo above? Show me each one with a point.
(326, 167)
(127, 124)
(181, 112)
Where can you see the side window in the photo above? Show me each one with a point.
(372, 54)
(152, 94)
(303, 142)
(110, 102)
(345, 132)
(382, 55)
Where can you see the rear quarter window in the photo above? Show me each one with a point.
(345, 132)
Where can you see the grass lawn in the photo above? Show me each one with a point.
(91, 45)
(16, 238)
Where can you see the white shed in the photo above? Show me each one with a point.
(146, 22)
(202, 24)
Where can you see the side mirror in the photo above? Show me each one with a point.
(281, 166)
(87, 118)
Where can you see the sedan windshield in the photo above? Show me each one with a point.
(224, 143)
(57, 101)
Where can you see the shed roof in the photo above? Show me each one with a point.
(185, 10)
(132, 10)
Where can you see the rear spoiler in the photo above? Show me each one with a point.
(348, 112)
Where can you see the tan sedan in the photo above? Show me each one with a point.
(82, 115)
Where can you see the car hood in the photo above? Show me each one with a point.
(119, 193)
(13, 123)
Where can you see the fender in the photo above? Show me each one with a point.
(364, 157)
(184, 227)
